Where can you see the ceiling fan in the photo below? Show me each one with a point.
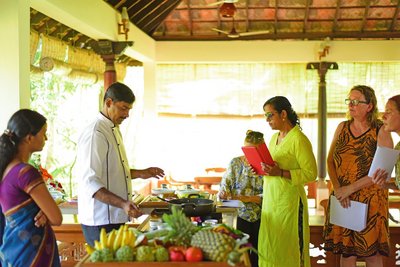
(234, 34)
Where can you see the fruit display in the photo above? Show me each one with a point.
(180, 240)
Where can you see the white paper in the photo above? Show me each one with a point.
(385, 159)
(231, 203)
(353, 217)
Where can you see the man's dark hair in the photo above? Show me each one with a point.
(119, 92)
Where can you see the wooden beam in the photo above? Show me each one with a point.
(337, 13)
(395, 16)
(365, 18)
(306, 14)
(287, 35)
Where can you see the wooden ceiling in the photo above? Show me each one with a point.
(175, 20)
(198, 20)
(53, 28)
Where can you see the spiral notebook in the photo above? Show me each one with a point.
(257, 154)
(353, 217)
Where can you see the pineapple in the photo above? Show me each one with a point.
(182, 229)
(215, 246)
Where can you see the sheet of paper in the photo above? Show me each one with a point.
(353, 217)
(384, 158)
(231, 203)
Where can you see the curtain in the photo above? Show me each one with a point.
(242, 89)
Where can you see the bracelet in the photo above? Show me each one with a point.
(282, 173)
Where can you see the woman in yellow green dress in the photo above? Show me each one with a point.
(284, 232)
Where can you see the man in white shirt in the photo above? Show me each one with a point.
(104, 176)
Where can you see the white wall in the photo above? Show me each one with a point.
(276, 51)
(14, 64)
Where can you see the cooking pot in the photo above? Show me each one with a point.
(193, 207)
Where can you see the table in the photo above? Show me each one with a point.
(85, 262)
(72, 249)
(71, 242)
(229, 214)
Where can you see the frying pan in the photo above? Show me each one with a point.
(192, 207)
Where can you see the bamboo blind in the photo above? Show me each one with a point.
(85, 60)
(120, 69)
(53, 48)
(242, 89)
(34, 41)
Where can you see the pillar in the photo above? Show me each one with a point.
(322, 68)
(109, 50)
(15, 65)
(110, 76)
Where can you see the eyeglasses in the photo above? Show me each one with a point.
(354, 102)
(269, 115)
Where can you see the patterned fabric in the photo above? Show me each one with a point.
(24, 244)
(397, 167)
(283, 218)
(353, 157)
(240, 180)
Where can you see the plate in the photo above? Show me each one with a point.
(187, 191)
(158, 191)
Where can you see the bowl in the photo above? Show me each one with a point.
(162, 191)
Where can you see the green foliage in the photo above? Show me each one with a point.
(48, 95)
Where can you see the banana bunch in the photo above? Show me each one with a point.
(114, 240)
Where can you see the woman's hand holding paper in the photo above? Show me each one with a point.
(380, 177)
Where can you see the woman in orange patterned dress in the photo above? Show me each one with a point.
(349, 159)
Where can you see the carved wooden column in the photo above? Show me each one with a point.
(109, 51)
(322, 191)
(322, 68)
(110, 76)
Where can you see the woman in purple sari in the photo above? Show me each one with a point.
(29, 209)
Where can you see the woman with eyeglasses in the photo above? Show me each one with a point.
(240, 182)
(349, 159)
(284, 232)
(391, 122)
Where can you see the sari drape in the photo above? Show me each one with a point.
(24, 244)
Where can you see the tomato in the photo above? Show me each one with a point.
(194, 254)
(176, 253)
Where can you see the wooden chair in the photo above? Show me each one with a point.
(218, 170)
(312, 191)
(206, 182)
(324, 204)
(169, 180)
